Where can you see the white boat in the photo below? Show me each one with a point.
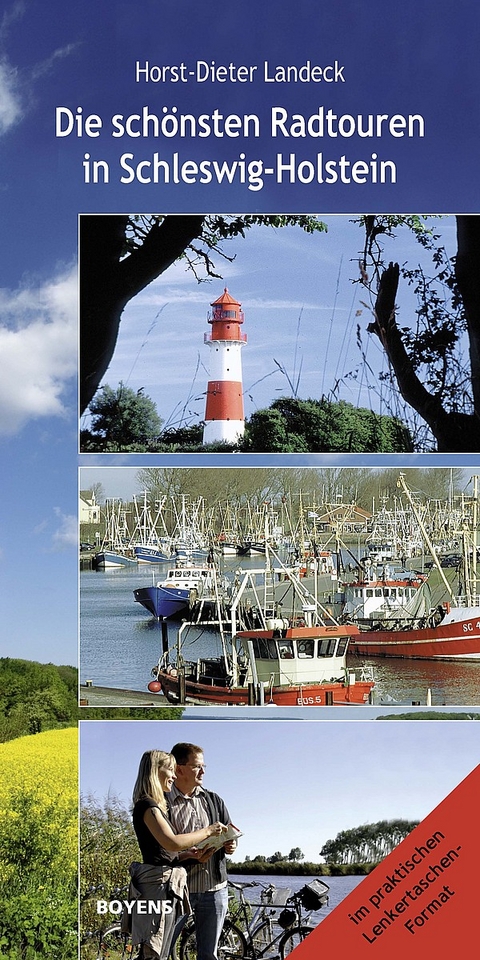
(150, 540)
(114, 551)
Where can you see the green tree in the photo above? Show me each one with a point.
(276, 857)
(292, 425)
(183, 436)
(296, 854)
(35, 697)
(123, 417)
(107, 847)
(368, 843)
(267, 431)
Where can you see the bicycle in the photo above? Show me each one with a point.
(110, 944)
(105, 943)
(275, 928)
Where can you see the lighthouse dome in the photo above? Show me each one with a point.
(226, 309)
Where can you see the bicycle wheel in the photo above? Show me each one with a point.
(231, 946)
(187, 930)
(291, 939)
(266, 938)
(115, 945)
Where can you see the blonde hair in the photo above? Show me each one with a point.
(148, 782)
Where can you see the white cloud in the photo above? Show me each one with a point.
(40, 527)
(11, 110)
(46, 65)
(38, 350)
(16, 85)
(66, 535)
(11, 15)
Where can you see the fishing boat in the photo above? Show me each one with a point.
(250, 548)
(111, 559)
(227, 548)
(285, 661)
(150, 545)
(227, 541)
(147, 554)
(183, 587)
(282, 665)
(449, 631)
(189, 537)
(114, 551)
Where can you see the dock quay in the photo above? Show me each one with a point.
(92, 696)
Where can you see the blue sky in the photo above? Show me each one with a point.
(83, 55)
(295, 784)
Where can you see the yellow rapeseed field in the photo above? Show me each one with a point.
(39, 803)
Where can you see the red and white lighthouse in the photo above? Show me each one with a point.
(224, 416)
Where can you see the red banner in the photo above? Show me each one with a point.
(422, 900)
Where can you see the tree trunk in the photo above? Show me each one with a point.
(467, 273)
(108, 282)
(454, 432)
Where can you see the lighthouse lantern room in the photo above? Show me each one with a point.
(224, 415)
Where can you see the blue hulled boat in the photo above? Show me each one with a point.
(181, 589)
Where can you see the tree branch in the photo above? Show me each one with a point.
(386, 328)
(109, 279)
(453, 431)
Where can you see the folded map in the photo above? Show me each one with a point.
(232, 833)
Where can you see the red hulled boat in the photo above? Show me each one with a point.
(454, 637)
(282, 665)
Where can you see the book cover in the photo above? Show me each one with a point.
(179, 110)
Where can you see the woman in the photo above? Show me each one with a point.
(159, 880)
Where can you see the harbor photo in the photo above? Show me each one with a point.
(294, 587)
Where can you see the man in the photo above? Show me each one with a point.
(192, 807)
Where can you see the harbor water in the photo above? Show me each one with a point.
(120, 643)
(340, 887)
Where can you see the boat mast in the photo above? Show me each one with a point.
(474, 580)
(222, 632)
(401, 483)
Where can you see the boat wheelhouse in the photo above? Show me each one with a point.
(379, 598)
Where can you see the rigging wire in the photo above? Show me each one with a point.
(331, 325)
(145, 340)
(345, 341)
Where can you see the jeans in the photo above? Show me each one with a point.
(209, 909)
